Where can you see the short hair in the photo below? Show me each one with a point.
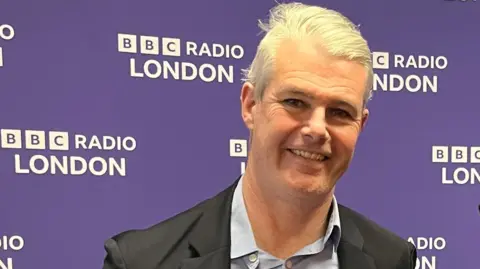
(335, 32)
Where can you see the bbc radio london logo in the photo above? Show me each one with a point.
(172, 58)
(7, 33)
(460, 164)
(60, 153)
(419, 73)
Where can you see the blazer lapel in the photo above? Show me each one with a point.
(350, 249)
(351, 257)
(210, 238)
(219, 259)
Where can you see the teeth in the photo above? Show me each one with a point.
(309, 155)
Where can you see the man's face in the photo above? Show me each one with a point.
(305, 128)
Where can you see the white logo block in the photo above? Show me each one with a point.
(149, 45)
(238, 148)
(11, 139)
(34, 139)
(127, 43)
(440, 154)
(171, 46)
(58, 140)
(475, 155)
(459, 154)
(380, 60)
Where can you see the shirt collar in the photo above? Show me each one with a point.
(241, 234)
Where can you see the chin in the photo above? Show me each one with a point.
(309, 183)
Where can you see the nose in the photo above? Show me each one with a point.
(315, 127)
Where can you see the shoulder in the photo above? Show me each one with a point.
(382, 244)
(146, 248)
(370, 229)
(167, 242)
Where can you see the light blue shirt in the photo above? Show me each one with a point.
(322, 254)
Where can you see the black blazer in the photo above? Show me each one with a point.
(199, 238)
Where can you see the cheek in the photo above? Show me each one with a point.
(344, 140)
(283, 129)
(277, 122)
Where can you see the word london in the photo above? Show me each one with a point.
(70, 165)
(460, 176)
(181, 71)
(77, 165)
(412, 83)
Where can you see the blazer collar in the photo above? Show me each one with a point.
(350, 250)
(210, 238)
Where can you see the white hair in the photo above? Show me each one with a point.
(336, 33)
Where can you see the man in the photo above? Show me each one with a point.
(304, 101)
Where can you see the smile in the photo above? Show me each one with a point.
(309, 155)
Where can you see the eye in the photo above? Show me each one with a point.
(295, 103)
(337, 112)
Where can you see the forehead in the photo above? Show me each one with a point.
(306, 67)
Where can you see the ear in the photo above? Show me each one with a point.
(247, 100)
(365, 115)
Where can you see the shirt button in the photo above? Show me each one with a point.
(252, 257)
(288, 264)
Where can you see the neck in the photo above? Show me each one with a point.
(282, 225)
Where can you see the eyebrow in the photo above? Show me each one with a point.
(297, 91)
(301, 92)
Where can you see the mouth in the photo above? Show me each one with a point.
(313, 156)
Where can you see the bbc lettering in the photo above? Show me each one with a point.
(149, 45)
(169, 46)
(455, 154)
(12, 139)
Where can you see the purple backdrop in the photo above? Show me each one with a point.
(67, 74)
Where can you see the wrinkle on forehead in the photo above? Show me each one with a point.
(314, 69)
